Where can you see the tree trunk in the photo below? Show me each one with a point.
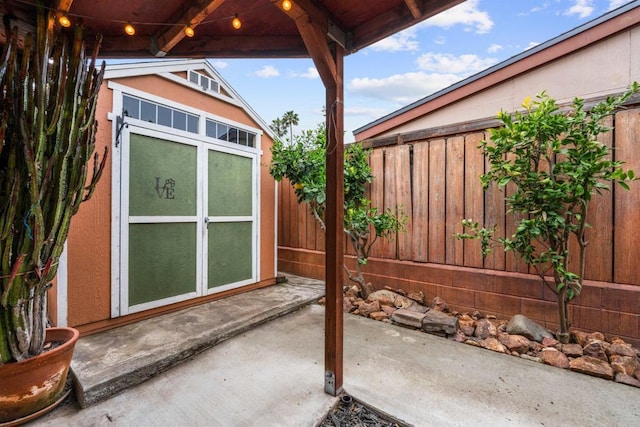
(563, 317)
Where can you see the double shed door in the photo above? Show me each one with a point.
(188, 219)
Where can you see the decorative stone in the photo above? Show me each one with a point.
(416, 296)
(390, 310)
(625, 364)
(397, 291)
(473, 342)
(553, 357)
(408, 318)
(579, 337)
(492, 344)
(572, 350)
(438, 304)
(379, 315)
(627, 379)
(467, 324)
(485, 329)
(595, 336)
(522, 325)
(419, 308)
(436, 322)
(347, 306)
(517, 343)
(637, 374)
(621, 349)
(550, 342)
(367, 308)
(384, 296)
(596, 348)
(458, 337)
(532, 358)
(352, 292)
(592, 366)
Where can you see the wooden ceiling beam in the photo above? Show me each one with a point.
(414, 7)
(163, 41)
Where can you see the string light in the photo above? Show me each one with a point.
(129, 29)
(236, 23)
(188, 31)
(64, 21)
(286, 5)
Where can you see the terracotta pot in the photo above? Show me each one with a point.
(34, 384)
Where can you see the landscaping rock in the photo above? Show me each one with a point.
(379, 315)
(347, 306)
(384, 297)
(408, 318)
(467, 325)
(522, 325)
(550, 342)
(553, 357)
(485, 329)
(473, 342)
(367, 308)
(492, 344)
(624, 364)
(437, 322)
(419, 308)
(627, 379)
(592, 366)
(532, 358)
(417, 297)
(593, 336)
(438, 304)
(516, 343)
(621, 349)
(572, 350)
(637, 374)
(391, 309)
(596, 348)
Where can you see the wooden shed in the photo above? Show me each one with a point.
(185, 210)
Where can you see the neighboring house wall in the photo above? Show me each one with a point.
(91, 241)
(426, 159)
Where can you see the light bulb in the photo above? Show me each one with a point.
(188, 31)
(129, 29)
(286, 5)
(236, 23)
(64, 21)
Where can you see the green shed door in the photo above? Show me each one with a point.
(231, 219)
(163, 222)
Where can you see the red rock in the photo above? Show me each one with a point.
(388, 309)
(473, 342)
(617, 340)
(627, 379)
(553, 357)
(416, 296)
(379, 315)
(485, 328)
(438, 304)
(468, 327)
(579, 337)
(352, 292)
(516, 343)
(458, 337)
(436, 322)
(549, 342)
(367, 308)
(596, 348)
(595, 336)
(592, 366)
(322, 301)
(572, 350)
(408, 318)
(625, 364)
(492, 344)
(637, 374)
(621, 349)
(347, 306)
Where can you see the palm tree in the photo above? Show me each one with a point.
(291, 119)
(279, 127)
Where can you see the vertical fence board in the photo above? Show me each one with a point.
(513, 261)
(420, 196)
(303, 212)
(626, 205)
(403, 193)
(377, 191)
(310, 228)
(473, 194)
(600, 234)
(437, 205)
(454, 199)
(494, 216)
(294, 211)
(389, 246)
(280, 204)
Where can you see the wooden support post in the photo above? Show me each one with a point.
(334, 249)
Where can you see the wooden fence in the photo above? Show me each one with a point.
(436, 183)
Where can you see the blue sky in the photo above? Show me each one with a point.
(412, 64)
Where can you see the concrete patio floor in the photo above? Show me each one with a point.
(273, 375)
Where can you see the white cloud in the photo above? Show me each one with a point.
(494, 48)
(440, 40)
(614, 4)
(267, 71)
(463, 65)
(220, 65)
(402, 88)
(582, 8)
(311, 74)
(403, 41)
(466, 14)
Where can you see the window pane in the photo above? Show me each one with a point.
(192, 123)
(179, 120)
(131, 106)
(211, 129)
(233, 135)
(204, 82)
(164, 116)
(242, 137)
(193, 77)
(223, 132)
(251, 140)
(147, 112)
(214, 86)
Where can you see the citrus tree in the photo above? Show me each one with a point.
(303, 164)
(556, 165)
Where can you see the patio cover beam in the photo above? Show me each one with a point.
(328, 58)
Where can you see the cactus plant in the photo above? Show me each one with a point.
(48, 96)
